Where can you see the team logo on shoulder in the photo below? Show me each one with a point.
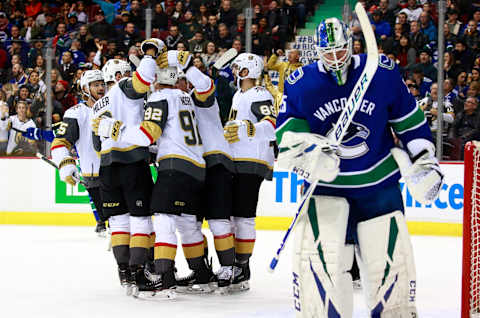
(385, 62)
(355, 148)
(295, 76)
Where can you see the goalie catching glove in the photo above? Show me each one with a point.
(309, 155)
(107, 127)
(235, 130)
(68, 171)
(423, 177)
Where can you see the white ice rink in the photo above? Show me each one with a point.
(67, 272)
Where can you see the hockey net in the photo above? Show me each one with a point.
(471, 233)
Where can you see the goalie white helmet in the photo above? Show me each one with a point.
(253, 63)
(333, 41)
(167, 76)
(112, 67)
(88, 77)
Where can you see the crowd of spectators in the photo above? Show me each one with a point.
(85, 34)
(407, 32)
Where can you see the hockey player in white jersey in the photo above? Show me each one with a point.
(114, 70)
(217, 193)
(176, 198)
(357, 202)
(17, 144)
(251, 134)
(3, 127)
(75, 131)
(126, 181)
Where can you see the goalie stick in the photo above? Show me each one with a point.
(345, 118)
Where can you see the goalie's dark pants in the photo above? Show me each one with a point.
(369, 206)
(126, 188)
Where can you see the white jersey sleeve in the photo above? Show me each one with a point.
(255, 155)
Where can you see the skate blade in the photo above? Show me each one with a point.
(223, 291)
(240, 287)
(164, 294)
(195, 289)
(130, 289)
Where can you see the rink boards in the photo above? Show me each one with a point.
(31, 193)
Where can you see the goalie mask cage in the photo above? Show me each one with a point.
(471, 232)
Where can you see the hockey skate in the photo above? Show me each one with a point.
(101, 229)
(197, 282)
(241, 277)
(148, 285)
(223, 279)
(123, 275)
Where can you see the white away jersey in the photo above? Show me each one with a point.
(254, 155)
(76, 131)
(123, 103)
(16, 139)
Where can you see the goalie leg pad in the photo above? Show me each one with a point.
(322, 285)
(387, 268)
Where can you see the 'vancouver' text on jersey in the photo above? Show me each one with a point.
(313, 102)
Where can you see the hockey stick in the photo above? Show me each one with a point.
(50, 162)
(134, 60)
(346, 117)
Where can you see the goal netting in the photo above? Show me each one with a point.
(471, 233)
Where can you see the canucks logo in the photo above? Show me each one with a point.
(353, 144)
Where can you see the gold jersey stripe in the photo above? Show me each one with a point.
(204, 95)
(244, 247)
(58, 142)
(200, 165)
(165, 252)
(152, 128)
(223, 244)
(120, 239)
(254, 160)
(142, 241)
(103, 152)
(217, 152)
(193, 251)
(89, 174)
(139, 85)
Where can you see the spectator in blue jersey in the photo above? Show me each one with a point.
(73, 24)
(382, 28)
(14, 37)
(18, 75)
(462, 87)
(62, 41)
(77, 53)
(5, 27)
(423, 83)
(427, 27)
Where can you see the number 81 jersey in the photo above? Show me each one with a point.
(255, 155)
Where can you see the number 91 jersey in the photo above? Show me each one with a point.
(255, 155)
(180, 145)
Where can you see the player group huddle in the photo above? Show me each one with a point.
(206, 171)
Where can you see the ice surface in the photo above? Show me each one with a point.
(67, 272)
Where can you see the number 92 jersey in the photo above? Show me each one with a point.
(180, 145)
(255, 155)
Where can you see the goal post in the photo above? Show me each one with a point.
(471, 232)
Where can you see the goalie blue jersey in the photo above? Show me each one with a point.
(313, 101)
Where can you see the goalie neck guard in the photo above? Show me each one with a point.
(333, 41)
